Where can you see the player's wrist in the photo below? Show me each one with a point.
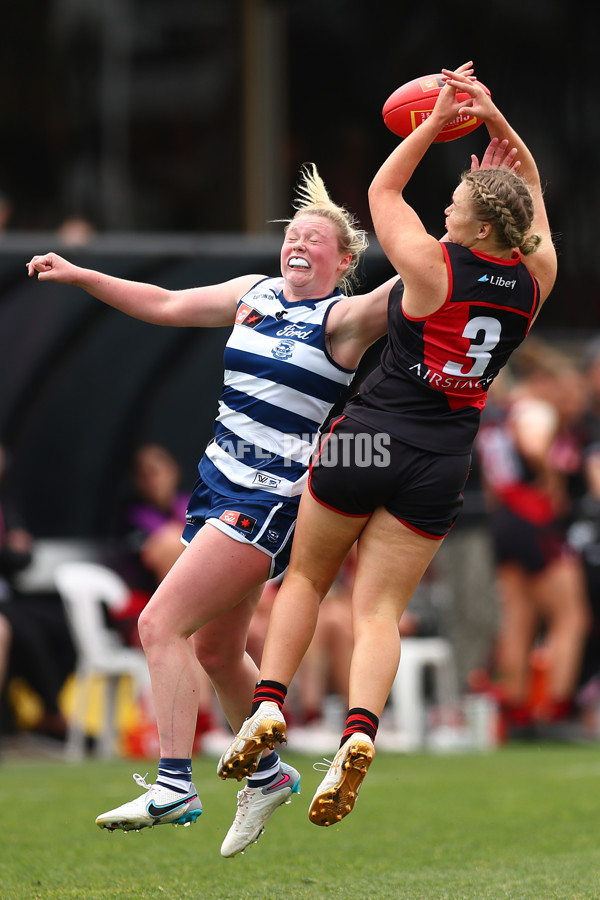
(495, 123)
(85, 278)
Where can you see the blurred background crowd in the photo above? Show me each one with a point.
(160, 142)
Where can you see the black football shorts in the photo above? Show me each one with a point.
(356, 470)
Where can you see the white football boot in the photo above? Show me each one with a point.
(255, 806)
(158, 806)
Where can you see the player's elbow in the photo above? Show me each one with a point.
(374, 192)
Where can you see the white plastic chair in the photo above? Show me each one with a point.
(84, 587)
(409, 707)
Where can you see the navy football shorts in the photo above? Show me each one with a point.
(357, 469)
(266, 524)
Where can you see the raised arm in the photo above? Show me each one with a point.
(414, 253)
(542, 263)
(209, 306)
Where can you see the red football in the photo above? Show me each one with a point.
(412, 103)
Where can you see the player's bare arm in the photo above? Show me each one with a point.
(357, 322)
(207, 306)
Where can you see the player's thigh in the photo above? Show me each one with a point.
(322, 540)
(213, 575)
(392, 559)
(225, 637)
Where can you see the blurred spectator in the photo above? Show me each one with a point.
(465, 564)
(76, 231)
(6, 211)
(35, 642)
(152, 518)
(148, 531)
(528, 455)
(584, 535)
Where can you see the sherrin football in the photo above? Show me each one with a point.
(412, 103)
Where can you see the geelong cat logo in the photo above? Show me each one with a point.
(283, 350)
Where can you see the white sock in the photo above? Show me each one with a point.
(268, 769)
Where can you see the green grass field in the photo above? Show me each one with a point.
(521, 822)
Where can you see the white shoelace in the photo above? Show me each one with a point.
(323, 765)
(141, 780)
(242, 803)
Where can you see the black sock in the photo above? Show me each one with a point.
(362, 720)
(270, 691)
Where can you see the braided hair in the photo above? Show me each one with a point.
(502, 198)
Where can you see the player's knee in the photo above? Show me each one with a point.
(151, 629)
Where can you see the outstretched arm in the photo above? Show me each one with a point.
(209, 306)
(414, 253)
(482, 106)
(542, 263)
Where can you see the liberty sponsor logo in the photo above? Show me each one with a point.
(238, 520)
(499, 281)
(247, 315)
